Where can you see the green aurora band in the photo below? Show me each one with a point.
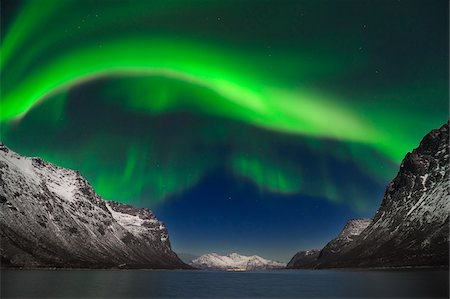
(150, 72)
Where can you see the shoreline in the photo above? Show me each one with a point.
(446, 267)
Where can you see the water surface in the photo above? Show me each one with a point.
(207, 284)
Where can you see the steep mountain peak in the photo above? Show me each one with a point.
(52, 217)
(434, 142)
(419, 192)
(354, 227)
(411, 228)
(304, 259)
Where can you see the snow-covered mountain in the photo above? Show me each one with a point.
(52, 217)
(411, 228)
(234, 261)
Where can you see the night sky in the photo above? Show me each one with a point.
(257, 127)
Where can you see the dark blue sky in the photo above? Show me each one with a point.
(226, 215)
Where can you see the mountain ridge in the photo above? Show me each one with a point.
(52, 217)
(411, 227)
(234, 261)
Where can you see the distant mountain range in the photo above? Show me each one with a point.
(234, 261)
(52, 217)
(411, 228)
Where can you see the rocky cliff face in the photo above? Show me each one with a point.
(52, 217)
(309, 259)
(351, 231)
(304, 259)
(411, 228)
(234, 261)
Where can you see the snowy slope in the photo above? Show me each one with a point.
(234, 261)
(351, 231)
(412, 225)
(411, 228)
(308, 259)
(52, 217)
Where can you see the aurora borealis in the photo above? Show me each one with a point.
(295, 105)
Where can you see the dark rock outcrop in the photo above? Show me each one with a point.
(304, 259)
(52, 217)
(411, 228)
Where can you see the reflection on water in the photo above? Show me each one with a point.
(258, 284)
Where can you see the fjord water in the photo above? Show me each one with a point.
(203, 284)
